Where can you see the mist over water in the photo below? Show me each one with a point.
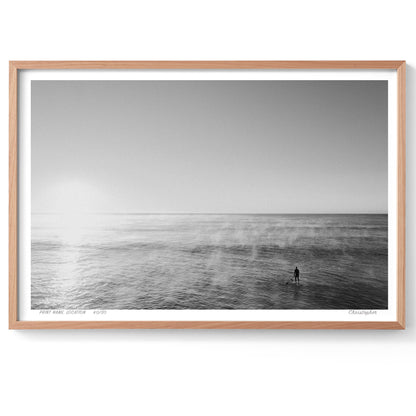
(141, 261)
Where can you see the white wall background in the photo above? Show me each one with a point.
(208, 372)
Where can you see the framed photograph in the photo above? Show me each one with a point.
(207, 194)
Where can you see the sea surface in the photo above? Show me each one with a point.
(142, 261)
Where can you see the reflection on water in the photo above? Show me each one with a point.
(209, 261)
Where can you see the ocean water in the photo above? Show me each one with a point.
(142, 261)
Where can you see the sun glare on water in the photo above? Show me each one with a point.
(73, 202)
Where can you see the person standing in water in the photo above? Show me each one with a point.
(296, 274)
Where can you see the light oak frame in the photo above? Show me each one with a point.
(15, 66)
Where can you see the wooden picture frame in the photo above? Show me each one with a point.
(399, 67)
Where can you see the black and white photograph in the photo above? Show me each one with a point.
(209, 194)
(209, 208)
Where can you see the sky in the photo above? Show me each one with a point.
(209, 146)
